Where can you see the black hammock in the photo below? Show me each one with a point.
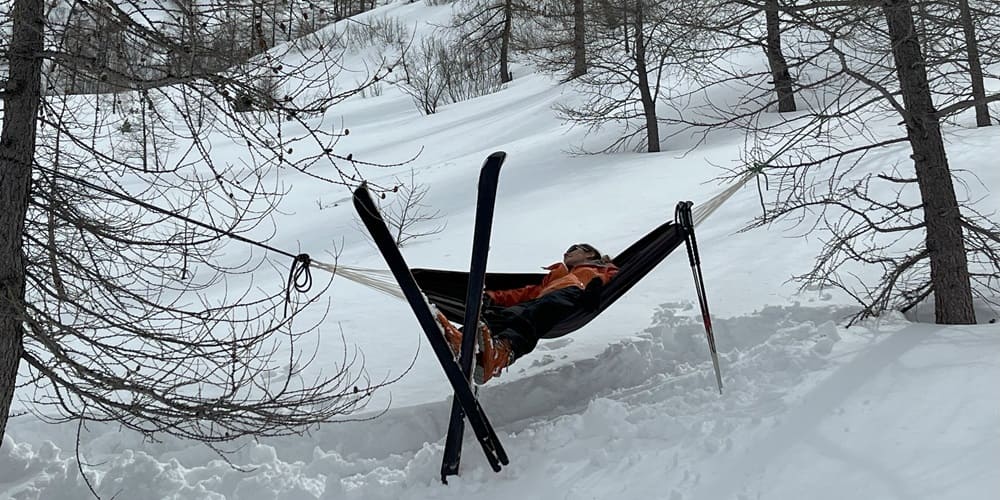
(447, 289)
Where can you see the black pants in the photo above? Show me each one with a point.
(523, 324)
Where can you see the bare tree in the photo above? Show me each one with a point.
(869, 61)
(646, 97)
(407, 215)
(734, 26)
(579, 39)
(427, 71)
(954, 34)
(632, 49)
(554, 36)
(949, 270)
(856, 63)
(115, 299)
(405, 212)
(22, 96)
(975, 65)
(776, 58)
(442, 71)
(487, 27)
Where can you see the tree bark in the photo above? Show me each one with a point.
(508, 12)
(779, 66)
(975, 67)
(648, 103)
(945, 244)
(17, 148)
(579, 40)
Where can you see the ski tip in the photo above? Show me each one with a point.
(363, 201)
(359, 192)
(497, 155)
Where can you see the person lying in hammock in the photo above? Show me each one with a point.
(516, 319)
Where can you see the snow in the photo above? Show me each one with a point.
(894, 410)
(626, 407)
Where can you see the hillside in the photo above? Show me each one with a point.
(624, 408)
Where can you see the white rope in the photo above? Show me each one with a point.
(382, 280)
(701, 212)
(376, 279)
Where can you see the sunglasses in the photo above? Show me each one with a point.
(585, 247)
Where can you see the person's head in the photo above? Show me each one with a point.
(581, 253)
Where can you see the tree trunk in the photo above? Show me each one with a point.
(257, 15)
(779, 66)
(648, 103)
(508, 12)
(579, 40)
(975, 67)
(17, 148)
(949, 267)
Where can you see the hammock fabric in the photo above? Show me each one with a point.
(447, 289)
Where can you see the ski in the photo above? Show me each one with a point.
(486, 200)
(373, 221)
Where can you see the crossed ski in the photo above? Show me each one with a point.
(458, 372)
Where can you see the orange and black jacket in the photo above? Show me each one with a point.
(559, 277)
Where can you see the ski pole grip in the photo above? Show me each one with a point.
(684, 219)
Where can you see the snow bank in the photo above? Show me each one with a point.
(809, 408)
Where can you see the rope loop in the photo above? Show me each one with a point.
(299, 278)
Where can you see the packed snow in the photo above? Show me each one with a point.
(627, 407)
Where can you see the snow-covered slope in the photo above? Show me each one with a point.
(893, 410)
(626, 407)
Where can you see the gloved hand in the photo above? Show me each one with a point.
(591, 299)
(488, 302)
